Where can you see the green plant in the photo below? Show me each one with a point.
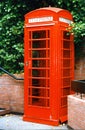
(12, 22)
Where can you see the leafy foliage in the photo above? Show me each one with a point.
(11, 27)
(11, 35)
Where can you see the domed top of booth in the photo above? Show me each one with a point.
(48, 14)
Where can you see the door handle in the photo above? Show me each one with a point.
(26, 63)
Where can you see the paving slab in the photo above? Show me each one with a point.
(15, 122)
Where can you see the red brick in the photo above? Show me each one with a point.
(11, 93)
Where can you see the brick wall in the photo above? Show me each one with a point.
(80, 68)
(12, 93)
(76, 112)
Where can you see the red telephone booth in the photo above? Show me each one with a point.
(49, 65)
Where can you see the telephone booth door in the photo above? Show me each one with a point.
(66, 70)
(40, 103)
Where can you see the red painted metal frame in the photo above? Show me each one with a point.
(46, 101)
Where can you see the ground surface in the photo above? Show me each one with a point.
(15, 122)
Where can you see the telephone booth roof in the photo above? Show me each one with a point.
(48, 14)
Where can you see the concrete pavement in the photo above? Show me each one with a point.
(15, 122)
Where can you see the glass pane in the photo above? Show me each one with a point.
(66, 91)
(40, 102)
(66, 54)
(66, 81)
(39, 92)
(66, 72)
(66, 63)
(64, 101)
(39, 34)
(39, 53)
(66, 45)
(39, 82)
(66, 35)
(40, 63)
(39, 73)
(39, 44)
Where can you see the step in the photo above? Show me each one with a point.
(4, 111)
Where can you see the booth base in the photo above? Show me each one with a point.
(41, 121)
(63, 119)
